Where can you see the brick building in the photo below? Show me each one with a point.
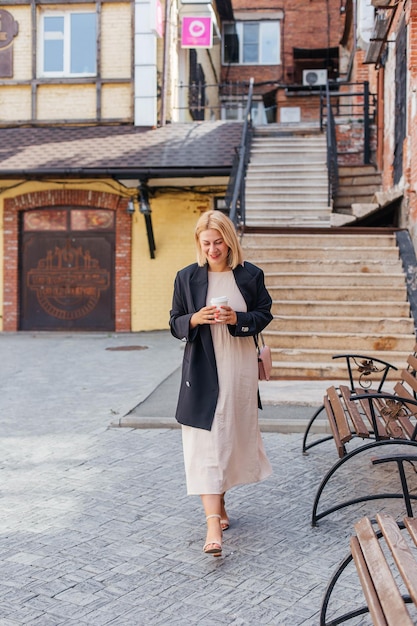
(290, 48)
(386, 57)
(98, 203)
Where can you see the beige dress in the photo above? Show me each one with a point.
(232, 452)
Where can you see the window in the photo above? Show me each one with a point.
(251, 43)
(68, 44)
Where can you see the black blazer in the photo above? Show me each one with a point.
(199, 388)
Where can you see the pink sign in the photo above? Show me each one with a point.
(159, 19)
(196, 32)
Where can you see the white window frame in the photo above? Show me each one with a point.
(239, 24)
(66, 72)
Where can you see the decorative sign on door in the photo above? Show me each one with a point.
(67, 269)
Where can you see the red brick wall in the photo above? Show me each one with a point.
(306, 24)
(66, 197)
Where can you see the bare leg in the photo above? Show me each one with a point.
(225, 523)
(212, 508)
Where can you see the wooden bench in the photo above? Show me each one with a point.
(385, 575)
(377, 418)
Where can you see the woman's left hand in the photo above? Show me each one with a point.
(226, 315)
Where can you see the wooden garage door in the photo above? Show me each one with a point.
(67, 269)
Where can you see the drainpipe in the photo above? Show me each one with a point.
(164, 87)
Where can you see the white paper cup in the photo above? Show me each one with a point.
(218, 302)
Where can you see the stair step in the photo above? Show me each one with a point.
(322, 355)
(308, 240)
(345, 324)
(305, 186)
(338, 342)
(346, 279)
(339, 293)
(324, 370)
(329, 267)
(299, 167)
(334, 308)
(288, 221)
(329, 252)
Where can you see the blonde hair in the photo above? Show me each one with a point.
(219, 221)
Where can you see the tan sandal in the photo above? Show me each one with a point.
(224, 521)
(213, 547)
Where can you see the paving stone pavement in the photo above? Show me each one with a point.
(95, 525)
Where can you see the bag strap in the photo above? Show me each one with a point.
(257, 341)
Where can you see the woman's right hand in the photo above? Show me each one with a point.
(206, 315)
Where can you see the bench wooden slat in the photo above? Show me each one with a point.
(356, 417)
(406, 423)
(369, 591)
(411, 380)
(339, 415)
(402, 554)
(382, 433)
(333, 427)
(386, 589)
(411, 524)
(412, 361)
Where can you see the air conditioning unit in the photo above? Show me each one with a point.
(314, 78)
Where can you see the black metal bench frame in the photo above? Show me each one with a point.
(346, 406)
(361, 610)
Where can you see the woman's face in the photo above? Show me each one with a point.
(214, 248)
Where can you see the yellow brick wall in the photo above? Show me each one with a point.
(174, 218)
(15, 103)
(66, 102)
(117, 38)
(72, 102)
(117, 101)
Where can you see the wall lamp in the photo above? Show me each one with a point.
(130, 209)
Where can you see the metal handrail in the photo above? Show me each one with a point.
(235, 195)
(332, 165)
(359, 104)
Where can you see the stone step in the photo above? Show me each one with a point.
(280, 157)
(339, 293)
(363, 179)
(266, 202)
(334, 308)
(351, 253)
(358, 192)
(324, 370)
(345, 279)
(342, 324)
(300, 168)
(308, 240)
(338, 342)
(285, 183)
(285, 220)
(388, 353)
(357, 170)
(329, 266)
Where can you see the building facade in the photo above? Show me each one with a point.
(98, 197)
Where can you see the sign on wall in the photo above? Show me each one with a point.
(8, 30)
(196, 32)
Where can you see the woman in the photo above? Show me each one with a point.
(218, 398)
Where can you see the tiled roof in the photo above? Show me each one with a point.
(76, 149)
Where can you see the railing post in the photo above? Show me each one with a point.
(366, 125)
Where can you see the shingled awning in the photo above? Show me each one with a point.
(175, 150)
